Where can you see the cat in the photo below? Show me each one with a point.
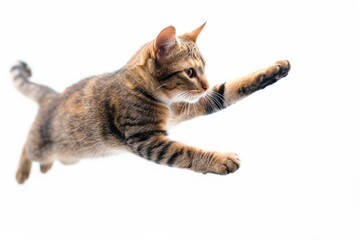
(132, 109)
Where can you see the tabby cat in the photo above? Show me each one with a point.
(132, 109)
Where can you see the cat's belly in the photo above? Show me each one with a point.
(98, 151)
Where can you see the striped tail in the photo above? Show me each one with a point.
(21, 73)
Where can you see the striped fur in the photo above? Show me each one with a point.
(132, 109)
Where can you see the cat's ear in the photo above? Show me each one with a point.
(164, 43)
(194, 34)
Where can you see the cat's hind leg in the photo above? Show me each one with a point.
(45, 159)
(23, 171)
(45, 167)
(24, 168)
(33, 151)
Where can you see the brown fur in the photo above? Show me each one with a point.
(131, 109)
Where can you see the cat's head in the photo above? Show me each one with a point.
(179, 67)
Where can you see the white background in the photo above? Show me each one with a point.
(298, 139)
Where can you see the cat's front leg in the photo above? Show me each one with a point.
(228, 93)
(238, 89)
(162, 150)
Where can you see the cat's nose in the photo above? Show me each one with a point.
(204, 83)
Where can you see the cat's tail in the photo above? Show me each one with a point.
(37, 92)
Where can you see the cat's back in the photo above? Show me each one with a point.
(81, 117)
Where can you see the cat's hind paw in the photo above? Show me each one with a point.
(22, 176)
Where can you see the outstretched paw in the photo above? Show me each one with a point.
(283, 68)
(272, 74)
(225, 164)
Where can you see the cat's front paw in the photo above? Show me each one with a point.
(225, 163)
(273, 73)
(280, 69)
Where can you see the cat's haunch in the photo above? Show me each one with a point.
(132, 109)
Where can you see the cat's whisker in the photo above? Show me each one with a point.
(209, 101)
(177, 98)
(194, 106)
(160, 86)
(220, 96)
(183, 108)
(217, 104)
(186, 96)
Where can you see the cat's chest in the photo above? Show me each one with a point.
(171, 120)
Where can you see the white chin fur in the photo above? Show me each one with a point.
(193, 99)
(187, 97)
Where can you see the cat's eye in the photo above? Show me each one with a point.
(190, 72)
